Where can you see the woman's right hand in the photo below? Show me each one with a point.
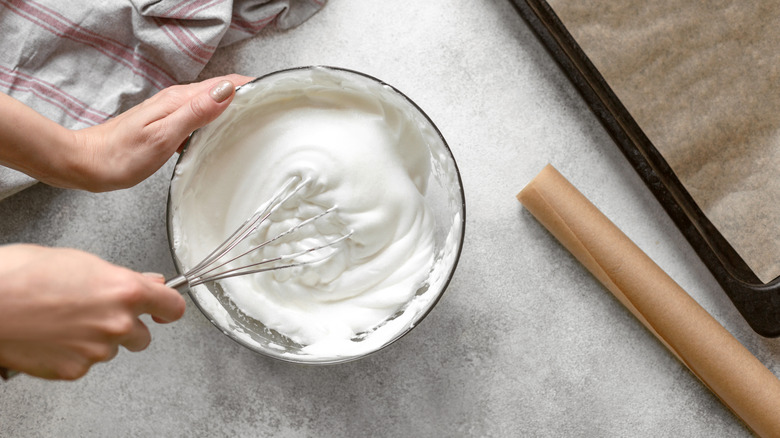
(63, 310)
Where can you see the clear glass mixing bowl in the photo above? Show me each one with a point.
(445, 197)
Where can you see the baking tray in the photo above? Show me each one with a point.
(757, 302)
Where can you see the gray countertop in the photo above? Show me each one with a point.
(525, 342)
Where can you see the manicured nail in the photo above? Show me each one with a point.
(221, 91)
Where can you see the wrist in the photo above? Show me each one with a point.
(63, 159)
(35, 145)
(81, 161)
(60, 159)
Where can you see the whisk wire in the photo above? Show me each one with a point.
(267, 242)
(202, 272)
(254, 269)
(249, 225)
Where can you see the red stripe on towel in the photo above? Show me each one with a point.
(251, 27)
(193, 48)
(71, 106)
(62, 27)
(188, 9)
(182, 36)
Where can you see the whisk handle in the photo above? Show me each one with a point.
(177, 282)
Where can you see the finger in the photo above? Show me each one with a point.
(100, 351)
(199, 110)
(173, 97)
(190, 90)
(111, 355)
(204, 102)
(169, 100)
(159, 278)
(154, 276)
(159, 320)
(139, 337)
(161, 302)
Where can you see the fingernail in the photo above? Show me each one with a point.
(221, 91)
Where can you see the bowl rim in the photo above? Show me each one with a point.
(413, 323)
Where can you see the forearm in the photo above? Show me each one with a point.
(118, 153)
(35, 145)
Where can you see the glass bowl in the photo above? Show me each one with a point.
(445, 198)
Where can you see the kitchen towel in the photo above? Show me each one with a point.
(80, 62)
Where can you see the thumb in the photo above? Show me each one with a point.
(154, 276)
(201, 109)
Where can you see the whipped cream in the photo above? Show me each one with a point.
(366, 151)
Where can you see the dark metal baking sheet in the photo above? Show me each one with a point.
(758, 302)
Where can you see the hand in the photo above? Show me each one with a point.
(118, 153)
(63, 310)
(127, 149)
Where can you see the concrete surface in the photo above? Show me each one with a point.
(524, 343)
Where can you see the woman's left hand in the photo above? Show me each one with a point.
(127, 149)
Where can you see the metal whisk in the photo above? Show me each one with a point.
(215, 265)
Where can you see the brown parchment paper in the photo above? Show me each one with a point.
(702, 80)
(712, 354)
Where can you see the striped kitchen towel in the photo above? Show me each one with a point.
(79, 62)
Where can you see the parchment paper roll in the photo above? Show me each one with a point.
(724, 365)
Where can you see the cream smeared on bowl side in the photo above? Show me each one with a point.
(367, 153)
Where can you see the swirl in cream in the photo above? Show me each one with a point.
(365, 153)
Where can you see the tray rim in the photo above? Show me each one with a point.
(757, 302)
